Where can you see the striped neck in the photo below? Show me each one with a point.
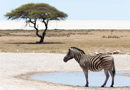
(77, 57)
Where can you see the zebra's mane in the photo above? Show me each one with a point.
(78, 49)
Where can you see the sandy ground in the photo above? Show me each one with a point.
(15, 65)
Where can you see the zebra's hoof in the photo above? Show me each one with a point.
(102, 86)
(111, 86)
(86, 85)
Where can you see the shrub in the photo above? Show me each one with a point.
(114, 36)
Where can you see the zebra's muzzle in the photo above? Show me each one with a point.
(65, 60)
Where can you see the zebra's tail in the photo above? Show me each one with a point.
(113, 71)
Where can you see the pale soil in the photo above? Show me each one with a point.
(58, 41)
(14, 66)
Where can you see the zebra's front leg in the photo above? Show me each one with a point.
(107, 76)
(86, 76)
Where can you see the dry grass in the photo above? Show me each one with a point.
(58, 41)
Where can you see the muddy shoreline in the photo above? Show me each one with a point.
(28, 76)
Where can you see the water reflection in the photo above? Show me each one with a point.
(96, 79)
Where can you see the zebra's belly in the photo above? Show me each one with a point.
(96, 69)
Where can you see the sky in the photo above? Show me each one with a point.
(97, 10)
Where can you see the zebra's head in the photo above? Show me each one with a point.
(70, 55)
(73, 52)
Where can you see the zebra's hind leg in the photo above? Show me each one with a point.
(112, 75)
(107, 76)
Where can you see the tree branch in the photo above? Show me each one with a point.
(34, 25)
(36, 28)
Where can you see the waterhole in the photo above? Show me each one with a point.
(96, 79)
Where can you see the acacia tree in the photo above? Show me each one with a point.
(33, 12)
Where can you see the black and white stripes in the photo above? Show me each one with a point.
(99, 61)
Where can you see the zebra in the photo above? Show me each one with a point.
(93, 63)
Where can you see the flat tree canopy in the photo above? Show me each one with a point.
(40, 11)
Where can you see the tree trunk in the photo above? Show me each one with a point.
(42, 38)
(44, 33)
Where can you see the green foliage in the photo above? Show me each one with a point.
(36, 11)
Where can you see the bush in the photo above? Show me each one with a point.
(114, 36)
